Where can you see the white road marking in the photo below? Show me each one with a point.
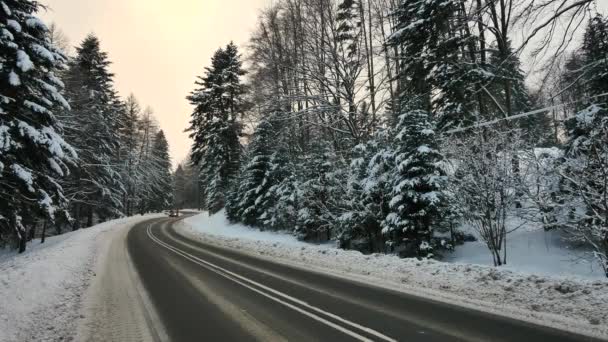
(241, 281)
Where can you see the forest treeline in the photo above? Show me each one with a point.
(72, 151)
(387, 124)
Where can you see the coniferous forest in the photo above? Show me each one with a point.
(386, 125)
(72, 151)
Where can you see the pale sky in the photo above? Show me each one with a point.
(158, 47)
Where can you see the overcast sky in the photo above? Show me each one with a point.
(158, 47)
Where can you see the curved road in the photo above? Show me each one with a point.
(203, 292)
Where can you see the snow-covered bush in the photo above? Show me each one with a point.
(486, 183)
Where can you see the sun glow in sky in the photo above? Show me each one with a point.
(158, 47)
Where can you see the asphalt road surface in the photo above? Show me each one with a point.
(203, 292)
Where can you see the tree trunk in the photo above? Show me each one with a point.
(77, 209)
(90, 217)
(43, 237)
(498, 261)
(31, 233)
(22, 242)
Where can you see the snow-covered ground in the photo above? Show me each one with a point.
(218, 225)
(530, 249)
(571, 303)
(41, 290)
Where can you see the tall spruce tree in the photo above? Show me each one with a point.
(245, 204)
(369, 194)
(129, 143)
(279, 203)
(585, 179)
(215, 125)
(179, 187)
(318, 191)
(595, 52)
(33, 153)
(97, 187)
(418, 186)
(422, 33)
(417, 182)
(162, 196)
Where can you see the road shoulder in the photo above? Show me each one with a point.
(116, 305)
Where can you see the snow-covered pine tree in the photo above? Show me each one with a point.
(506, 71)
(506, 67)
(418, 187)
(421, 31)
(279, 203)
(349, 62)
(96, 188)
(430, 55)
(584, 172)
(179, 187)
(145, 175)
(195, 195)
(33, 153)
(245, 204)
(349, 26)
(215, 126)
(595, 53)
(162, 197)
(570, 80)
(129, 142)
(591, 78)
(318, 193)
(455, 69)
(368, 195)
(585, 180)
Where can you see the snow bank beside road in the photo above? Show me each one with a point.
(572, 304)
(218, 225)
(41, 290)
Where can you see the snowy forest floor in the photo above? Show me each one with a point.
(42, 290)
(571, 303)
(530, 249)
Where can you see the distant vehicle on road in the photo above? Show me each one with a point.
(173, 213)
